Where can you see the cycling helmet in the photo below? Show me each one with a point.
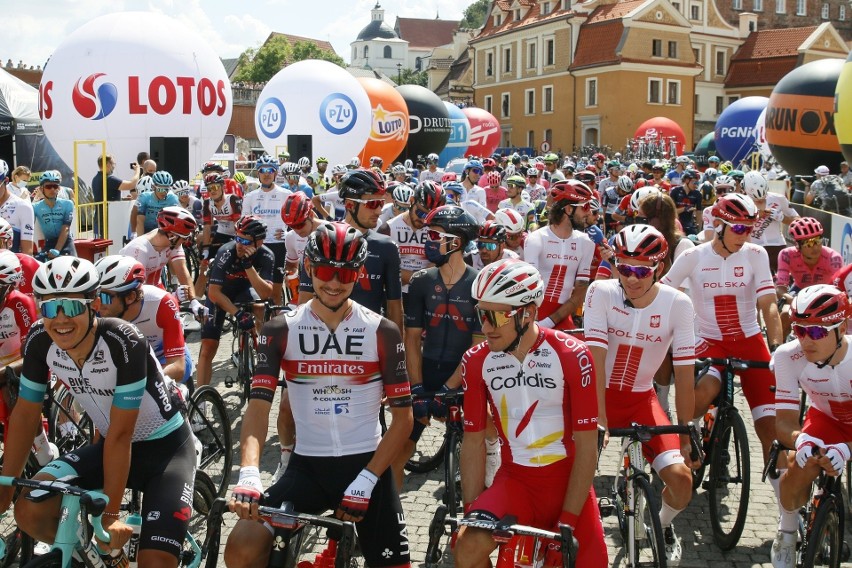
(408, 164)
(176, 220)
(266, 162)
(50, 176)
(212, 167)
(843, 279)
(550, 158)
(376, 162)
(625, 184)
(724, 181)
(489, 163)
(726, 167)
(181, 187)
(598, 157)
(214, 178)
(569, 165)
(120, 273)
(162, 179)
(322, 160)
(538, 167)
(284, 155)
(640, 195)
(510, 281)
(511, 170)
(713, 159)
(682, 160)
(455, 221)
(4, 171)
(6, 232)
(457, 189)
(735, 208)
(338, 170)
(399, 170)
(821, 304)
(755, 185)
(10, 269)
(144, 184)
(511, 219)
(449, 177)
(337, 244)
(231, 187)
(613, 164)
(65, 275)
(689, 174)
(640, 242)
(297, 209)
(251, 226)
(304, 162)
(737, 175)
(289, 169)
(586, 176)
(240, 177)
(403, 193)
(804, 228)
(572, 191)
(358, 183)
(472, 164)
(433, 158)
(711, 173)
(355, 162)
(493, 231)
(516, 180)
(639, 183)
(429, 194)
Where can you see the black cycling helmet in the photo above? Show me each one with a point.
(337, 244)
(251, 226)
(455, 221)
(493, 231)
(358, 183)
(429, 194)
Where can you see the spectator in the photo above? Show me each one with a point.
(20, 178)
(18, 212)
(845, 174)
(114, 186)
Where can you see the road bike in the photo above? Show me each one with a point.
(211, 425)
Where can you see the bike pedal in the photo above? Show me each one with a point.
(605, 507)
(229, 382)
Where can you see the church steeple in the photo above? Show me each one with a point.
(378, 14)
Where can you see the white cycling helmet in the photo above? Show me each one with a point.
(10, 269)
(640, 194)
(181, 187)
(66, 275)
(355, 162)
(510, 219)
(398, 170)
(144, 184)
(289, 169)
(625, 184)
(304, 162)
(682, 160)
(338, 170)
(755, 185)
(6, 232)
(120, 273)
(509, 281)
(403, 193)
(4, 171)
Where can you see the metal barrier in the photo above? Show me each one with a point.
(92, 221)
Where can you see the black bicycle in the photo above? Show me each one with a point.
(211, 425)
(244, 356)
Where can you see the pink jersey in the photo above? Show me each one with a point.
(493, 197)
(561, 262)
(637, 340)
(792, 267)
(724, 290)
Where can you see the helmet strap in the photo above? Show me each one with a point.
(353, 213)
(520, 330)
(836, 349)
(91, 328)
(722, 238)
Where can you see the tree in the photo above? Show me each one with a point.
(261, 64)
(474, 15)
(411, 77)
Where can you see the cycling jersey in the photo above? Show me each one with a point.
(537, 403)
(479, 211)
(225, 213)
(336, 379)
(792, 268)
(19, 213)
(388, 213)
(52, 219)
(476, 261)
(637, 340)
(159, 321)
(152, 259)
(687, 200)
(225, 272)
(120, 371)
(766, 231)
(446, 314)
(302, 186)
(333, 204)
(410, 242)
(493, 197)
(724, 290)
(29, 265)
(148, 205)
(561, 261)
(523, 206)
(17, 315)
(536, 191)
(266, 205)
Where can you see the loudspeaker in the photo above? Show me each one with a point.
(171, 155)
(299, 146)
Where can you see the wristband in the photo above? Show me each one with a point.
(547, 323)
(570, 519)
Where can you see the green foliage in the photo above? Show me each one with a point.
(474, 15)
(410, 77)
(261, 64)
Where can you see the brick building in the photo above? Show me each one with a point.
(788, 13)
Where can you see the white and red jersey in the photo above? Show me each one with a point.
(724, 290)
(793, 269)
(16, 317)
(29, 265)
(537, 403)
(225, 213)
(266, 205)
(561, 262)
(768, 232)
(159, 321)
(829, 389)
(153, 260)
(638, 339)
(410, 241)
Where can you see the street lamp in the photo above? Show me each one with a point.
(398, 73)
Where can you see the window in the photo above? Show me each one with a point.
(673, 92)
(657, 48)
(758, 6)
(488, 103)
(507, 60)
(738, 4)
(720, 104)
(842, 14)
(498, 20)
(489, 64)
(824, 13)
(547, 99)
(780, 6)
(566, 4)
(366, 51)
(696, 52)
(531, 55)
(733, 99)
(655, 88)
(529, 96)
(354, 53)
(720, 63)
(504, 103)
(517, 14)
(673, 50)
(531, 138)
(549, 52)
(387, 52)
(695, 12)
(545, 8)
(676, 6)
(591, 92)
(548, 136)
(801, 8)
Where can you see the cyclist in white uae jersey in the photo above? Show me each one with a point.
(819, 364)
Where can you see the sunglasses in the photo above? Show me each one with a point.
(421, 214)
(243, 241)
(814, 332)
(517, 185)
(161, 188)
(70, 307)
(438, 235)
(369, 203)
(107, 298)
(268, 170)
(640, 272)
(496, 318)
(477, 171)
(811, 242)
(326, 273)
(51, 186)
(740, 229)
(486, 246)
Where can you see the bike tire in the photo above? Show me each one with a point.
(436, 531)
(50, 560)
(204, 493)
(422, 462)
(452, 474)
(207, 410)
(69, 427)
(730, 451)
(825, 538)
(647, 517)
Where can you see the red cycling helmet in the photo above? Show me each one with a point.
(232, 187)
(735, 208)
(592, 168)
(493, 231)
(176, 220)
(217, 178)
(639, 183)
(804, 228)
(821, 304)
(430, 195)
(492, 178)
(297, 209)
(337, 244)
(586, 177)
(449, 177)
(640, 242)
(488, 163)
(573, 191)
(598, 157)
(539, 166)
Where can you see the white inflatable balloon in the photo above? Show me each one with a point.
(130, 76)
(760, 136)
(317, 99)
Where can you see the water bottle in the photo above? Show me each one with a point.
(134, 520)
(44, 451)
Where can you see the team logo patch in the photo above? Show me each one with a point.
(738, 271)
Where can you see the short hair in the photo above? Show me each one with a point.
(104, 160)
(22, 170)
(141, 157)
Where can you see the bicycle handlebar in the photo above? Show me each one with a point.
(287, 517)
(733, 362)
(450, 397)
(642, 433)
(504, 529)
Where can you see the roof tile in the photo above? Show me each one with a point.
(773, 43)
(324, 45)
(422, 32)
(596, 44)
(613, 11)
(752, 73)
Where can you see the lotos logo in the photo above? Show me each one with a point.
(91, 103)
(387, 125)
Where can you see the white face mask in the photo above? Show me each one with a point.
(22, 184)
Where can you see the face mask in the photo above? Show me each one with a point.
(21, 184)
(432, 250)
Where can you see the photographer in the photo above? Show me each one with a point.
(828, 193)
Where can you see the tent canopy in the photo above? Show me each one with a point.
(18, 102)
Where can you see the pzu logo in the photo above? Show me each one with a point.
(271, 117)
(338, 113)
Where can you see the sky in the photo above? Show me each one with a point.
(230, 26)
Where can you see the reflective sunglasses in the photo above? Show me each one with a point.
(161, 188)
(814, 332)
(495, 318)
(740, 229)
(811, 242)
(486, 246)
(243, 241)
(477, 171)
(438, 235)
(514, 236)
(326, 273)
(267, 170)
(640, 272)
(107, 297)
(70, 307)
(420, 213)
(369, 203)
(51, 186)
(401, 206)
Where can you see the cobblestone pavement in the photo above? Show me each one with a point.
(422, 493)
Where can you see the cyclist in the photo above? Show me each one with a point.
(186, 199)
(293, 179)
(674, 175)
(149, 204)
(493, 192)
(515, 198)
(722, 186)
(563, 253)
(534, 188)
(145, 442)
(152, 310)
(240, 273)
(18, 212)
(550, 162)
(218, 213)
(323, 182)
(402, 195)
(490, 245)
(539, 385)
(18, 311)
(687, 197)
(817, 362)
(471, 173)
(329, 205)
(774, 210)
(297, 213)
(515, 226)
(304, 165)
(431, 173)
(341, 460)
(54, 215)
(630, 325)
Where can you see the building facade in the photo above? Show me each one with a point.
(775, 14)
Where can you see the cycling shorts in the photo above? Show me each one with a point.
(435, 373)
(758, 384)
(535, 496)
(316, 484)
(163, 469)
(280, 252)
(831, 431)
(212, 328)
(623, 408)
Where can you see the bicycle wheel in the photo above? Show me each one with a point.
(212, 427)
(246, 370)
(650, 546)
(825, 540)
(429, 453)
(452, 474)
(69, 427)
(204, 492)
(51, 559)
(729, 482)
